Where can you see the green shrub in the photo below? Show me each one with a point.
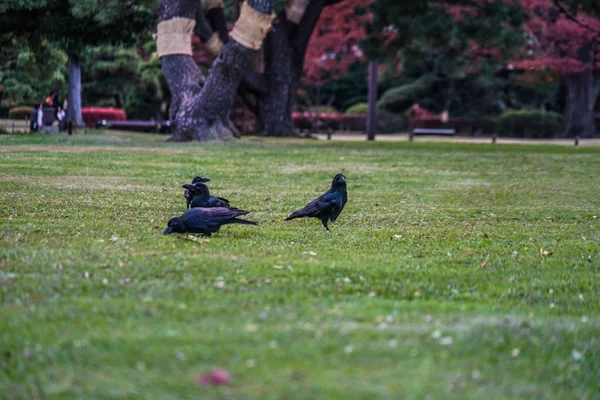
(398, 99)
(388, 122)
(360, 108)
(530, 124)
(19, 112)
(323, 109)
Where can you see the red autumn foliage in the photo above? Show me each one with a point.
(92, 115)
(334, 43)
(555, 40)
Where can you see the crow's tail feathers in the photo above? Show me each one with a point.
(294, 215)
(242, 221)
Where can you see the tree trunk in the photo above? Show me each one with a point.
(582, 91)
(285, 49)
(274, 107)
(199, 109)
(74, 96)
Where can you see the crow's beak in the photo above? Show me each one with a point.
(204, 180)
(187, 186)
(343, 179)
(168, 230)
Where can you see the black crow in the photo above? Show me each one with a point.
(328, 206)
(205, 220)
(201, 197)
(188, 195)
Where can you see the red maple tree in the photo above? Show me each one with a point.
(565, 43)
(334, 44)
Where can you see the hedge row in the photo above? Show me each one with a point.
(20, 112)
(530, 124)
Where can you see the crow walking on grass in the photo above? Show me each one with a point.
(201, 197)
(206, 221)
(328, 206)
(188, 195)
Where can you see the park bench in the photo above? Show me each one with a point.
(432, 131)
(136, 126)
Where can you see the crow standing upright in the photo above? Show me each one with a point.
(188, 195)
(200, 197)
(328, 206)
(205, 220)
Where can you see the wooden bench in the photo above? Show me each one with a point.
(136, 126)
(431, 131)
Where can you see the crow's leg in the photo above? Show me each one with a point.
(324, 221)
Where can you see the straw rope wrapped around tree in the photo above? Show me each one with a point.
(260, 60)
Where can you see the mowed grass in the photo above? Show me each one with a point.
(455, 271)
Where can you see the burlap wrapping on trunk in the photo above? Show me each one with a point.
(214, 45)
(174, 36)
(296, 10)
(251, 27)
(210, 4)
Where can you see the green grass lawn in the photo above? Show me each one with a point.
(433, 283)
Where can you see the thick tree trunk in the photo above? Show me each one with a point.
(582, 92)
(74, 95)
(285, 49)
(199, 109)
(274, 107)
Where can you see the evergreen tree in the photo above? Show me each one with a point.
(74, 26)
(445, 47)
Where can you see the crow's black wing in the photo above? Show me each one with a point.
(322, 205)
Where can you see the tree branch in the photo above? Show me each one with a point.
(573, 18)
(304, 30)
(216, 17)
(202, 29)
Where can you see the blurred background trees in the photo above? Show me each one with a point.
(470, 58)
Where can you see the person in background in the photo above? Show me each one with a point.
(40, 117)
(60, 116)
(35, 120)
(53, 101)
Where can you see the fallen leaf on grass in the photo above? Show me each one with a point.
(484, 262)
(310, 253)
(196, 239)
(214, 378)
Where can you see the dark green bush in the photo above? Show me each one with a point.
(20, 112)
(398, 99)
(530, 124)
(388, 122)
(323, 109)
(360, 108)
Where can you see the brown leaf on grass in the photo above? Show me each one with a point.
(484, 262)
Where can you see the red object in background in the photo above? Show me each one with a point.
(216, 377)
(419, 112)
(93, 115)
